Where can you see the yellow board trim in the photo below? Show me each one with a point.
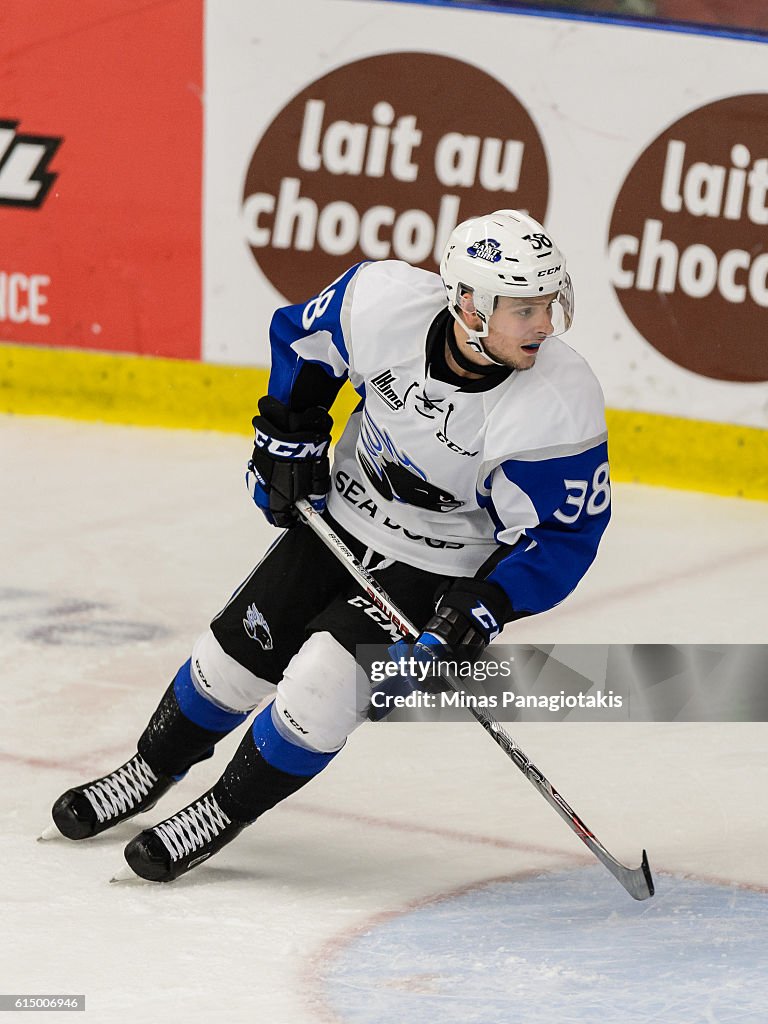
(668, 451)
(691, 455)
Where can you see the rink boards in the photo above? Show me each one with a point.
(233, 163)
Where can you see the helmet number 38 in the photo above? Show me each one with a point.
(538, 241)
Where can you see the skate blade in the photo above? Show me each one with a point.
(125, 874)
(49, 833)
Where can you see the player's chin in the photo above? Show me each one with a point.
(520, 359)
(526, 357)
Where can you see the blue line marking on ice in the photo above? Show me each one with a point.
(564, 948)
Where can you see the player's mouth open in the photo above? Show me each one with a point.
(532, 347)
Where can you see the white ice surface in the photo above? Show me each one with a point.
(367, 897)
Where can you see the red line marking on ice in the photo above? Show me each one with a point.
(58, 764)
(96, 758)
(443, 833)
(727, 883)
(612, 594)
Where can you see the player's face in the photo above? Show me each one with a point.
(517, 328)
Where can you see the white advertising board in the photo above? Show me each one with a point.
(342, 130)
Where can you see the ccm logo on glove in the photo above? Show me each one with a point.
(289, 461)
(290, 450)
(486, 621)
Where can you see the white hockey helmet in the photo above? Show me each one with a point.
(504, 253)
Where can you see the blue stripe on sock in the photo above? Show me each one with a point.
(281, 753)
(199, 709)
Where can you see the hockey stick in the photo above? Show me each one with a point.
(637, 881)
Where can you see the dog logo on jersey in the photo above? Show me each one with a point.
(394, 475)
(257, 628)
(486, 249)
(396, 483)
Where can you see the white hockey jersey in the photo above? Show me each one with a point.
(505, 478)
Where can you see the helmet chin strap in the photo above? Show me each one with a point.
(476, 345)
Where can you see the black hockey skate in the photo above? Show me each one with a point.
(87, 810)
(187, 838)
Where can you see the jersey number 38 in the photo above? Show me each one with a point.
(596, 497)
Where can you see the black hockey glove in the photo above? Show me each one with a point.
(289, 461)
(469, 614)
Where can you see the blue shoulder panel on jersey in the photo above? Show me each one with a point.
(552, 484)
(292, 323)
(572, 498)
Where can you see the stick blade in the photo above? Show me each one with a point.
(646, 869)
(637, 881)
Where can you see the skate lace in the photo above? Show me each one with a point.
(122, 790)
(192, 828)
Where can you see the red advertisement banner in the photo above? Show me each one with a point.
(101, 175)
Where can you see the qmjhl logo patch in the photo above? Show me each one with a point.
(24, 176)
(382, 383)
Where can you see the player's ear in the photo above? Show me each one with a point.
(467, 302)
(467, 306)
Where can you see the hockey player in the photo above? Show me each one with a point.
(472, 480)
